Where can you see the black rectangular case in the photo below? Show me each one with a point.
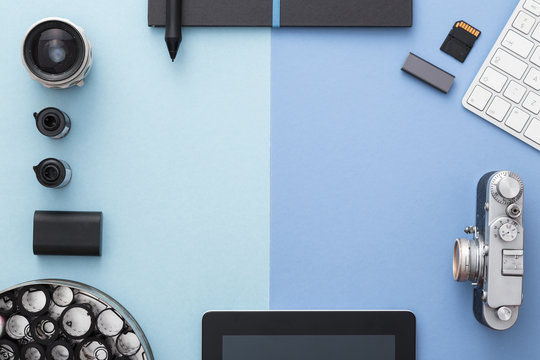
(67, 233)
(337, 13)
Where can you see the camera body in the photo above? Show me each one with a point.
(57, 53)
(493, 259)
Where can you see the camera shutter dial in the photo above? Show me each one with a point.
(509, 231)
(506, 229)
(509, 187)
(506, 187)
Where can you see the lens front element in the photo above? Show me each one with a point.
(55, 51)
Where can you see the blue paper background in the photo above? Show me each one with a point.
(175, 155)
(374, 175)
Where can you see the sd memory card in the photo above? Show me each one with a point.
(460, 40)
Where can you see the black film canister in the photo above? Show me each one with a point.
(93, 349)
(32, 351)
(8, 350)
(17, 327)
(53, 173)
(77, 321)
(44, 330)
(60, 350)
(63, 296)
(7, 304)
(33, 301)
(53, 122)
(128, 343)
(110, 323)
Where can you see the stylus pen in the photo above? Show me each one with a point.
(173, 30)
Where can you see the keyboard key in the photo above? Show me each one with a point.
(533, 79)
(535, 58)
(515, 92)
(533, 6)
(493, 79)
(517, 43)
(509, 63)
(536, 33)
(532, 103)
(533, 131)
(517, 119)
(498, 109)
(479, 98)
(524, 22)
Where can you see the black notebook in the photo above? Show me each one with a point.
(288, 13)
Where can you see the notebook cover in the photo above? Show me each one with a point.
(293, 12)
(215, 12)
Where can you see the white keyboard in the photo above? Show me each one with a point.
(506, 90)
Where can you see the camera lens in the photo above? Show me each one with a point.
(467, 260)
(53, 173)
(53, 122)
(57, 53)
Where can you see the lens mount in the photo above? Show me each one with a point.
(57, 53)
(468, 260)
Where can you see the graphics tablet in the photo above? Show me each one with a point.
(309, 335)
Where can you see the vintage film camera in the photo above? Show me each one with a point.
(493, 259)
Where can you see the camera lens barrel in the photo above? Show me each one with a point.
(467, 260)
(53, 173)
(53, 123)
(57, 53)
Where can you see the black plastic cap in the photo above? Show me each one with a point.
(67, 233)
(51, 172)
(52, 122)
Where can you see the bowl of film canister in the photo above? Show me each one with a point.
(67, 320)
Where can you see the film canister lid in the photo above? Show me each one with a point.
(60, 350)
(33, 300)
(53, 122)
(7, 304)
(32, 351)
(8, 350)
(109, 323)
(63, 296)
(44, 330)
(17, 327)
(77, 321)
(128, 343)
(93, 348)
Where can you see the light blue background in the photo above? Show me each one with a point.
(374, 176)
(175, 155)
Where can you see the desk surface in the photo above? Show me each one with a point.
(372, 173)
(175, 155)
(374, 176)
